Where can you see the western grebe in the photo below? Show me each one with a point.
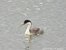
(31, 31)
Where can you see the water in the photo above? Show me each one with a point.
(46, 14)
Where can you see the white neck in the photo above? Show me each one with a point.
(28, 27)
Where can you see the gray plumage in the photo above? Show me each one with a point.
(36, 31)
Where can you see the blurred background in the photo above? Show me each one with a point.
(49, 15)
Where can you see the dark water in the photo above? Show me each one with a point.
(49, 15)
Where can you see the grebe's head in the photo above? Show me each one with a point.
(27, 22)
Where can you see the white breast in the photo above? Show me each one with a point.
(27, 32)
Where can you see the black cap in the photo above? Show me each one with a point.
(26, 21)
